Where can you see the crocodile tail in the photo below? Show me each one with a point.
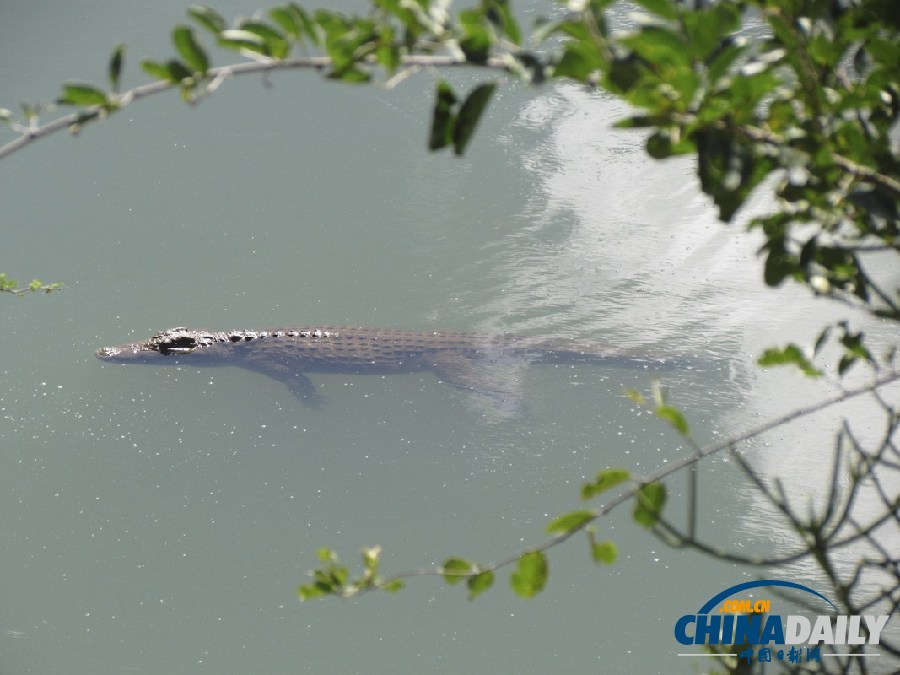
(563, 350)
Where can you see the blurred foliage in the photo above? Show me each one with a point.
(8, 285)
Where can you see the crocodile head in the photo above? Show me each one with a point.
(171, 342)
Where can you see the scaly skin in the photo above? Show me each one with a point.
(286, 353)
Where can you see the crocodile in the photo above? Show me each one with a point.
(287, 354)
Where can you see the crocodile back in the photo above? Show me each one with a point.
(357, 349)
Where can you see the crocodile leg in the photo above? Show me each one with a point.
(298, 383)
(455, 368)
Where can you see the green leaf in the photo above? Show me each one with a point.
(392, 586)
(721, 61)
(674, 417)
(569, 522)
(172, 71)
(727, 167)
(658, 45)
(190, 50)
(277, 46)
(7, 284)
(640, 122)
(326, 555)
(854, 343)
(854, 350)
(649, 502)
(388, 52)
(709, 30)
(295, 21)
(625, 75)
(330, 580)
(352, 75)
(530, 575)
(469, 114)
(605, 552)
(456, 569)
(115, 67)
(442, 119)
(156, 70)
(778, 264)
(479, 583)
(238, 40)
(499, 13)
(178, 72)
(662, 8)
(822, 339)
(290, 22)
(659, 145)
(309, 592)
(635, 396)
(789, 355)
(606, 479)
(476, 39)
(208, 18)
(82, 95)
(579, 61)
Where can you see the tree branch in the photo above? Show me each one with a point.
(214, 78)
(657, 476)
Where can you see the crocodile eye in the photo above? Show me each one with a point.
(179, 345)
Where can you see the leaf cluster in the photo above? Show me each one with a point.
(8, 285)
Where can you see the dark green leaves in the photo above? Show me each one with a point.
(649, 502)
(208, 18)
(469, 115)
(452, 124)
(569, 522)
(457, 569)
(708, 29)
(115, 67)
(674, 417)
(273, 42)
(499, 13)
(8, 285)
(250, 36)
(729, 169)
(604, 552)
(83, 95)
(255, 37)
(476, 38)
(295, 22)
(190, 50)
(174, 71)
(479, 583)
(530, 575)
(477, 580)
(579, 61)
(329, 580)
(605, 480)
(334, 579)
(790, 355)
(443, 119)
(665, 9)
